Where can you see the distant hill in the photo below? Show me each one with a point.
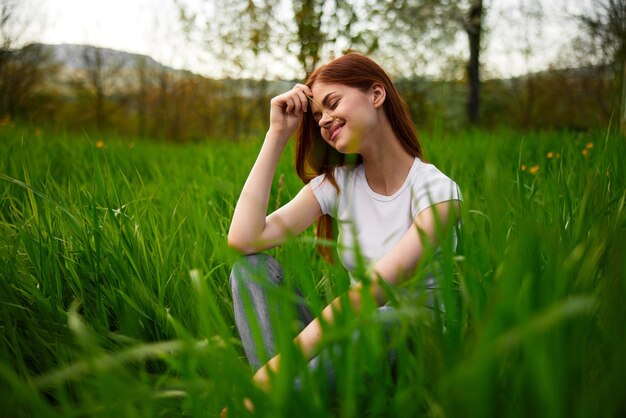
(119, 69)
(73, 64)
(72, 56)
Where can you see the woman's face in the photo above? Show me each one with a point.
(347, 116)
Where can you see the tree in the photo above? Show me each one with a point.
(473, 27)
(23, 67)
(308, 17)
(330, 28)
(238, 34)
(243, 36)
(605, 25)
(434, 24)
(143, 84)
(99, 80)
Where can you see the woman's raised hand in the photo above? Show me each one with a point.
(286, 111)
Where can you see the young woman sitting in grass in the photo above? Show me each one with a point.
(360, 159)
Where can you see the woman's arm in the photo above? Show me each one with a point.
(431, 224)
(251, 230)
(398, 264)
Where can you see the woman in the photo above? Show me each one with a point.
(388, 203)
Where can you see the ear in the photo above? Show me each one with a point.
(378, 94)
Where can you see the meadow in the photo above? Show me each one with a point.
(114, 295)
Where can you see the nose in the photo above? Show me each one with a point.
(326, 120)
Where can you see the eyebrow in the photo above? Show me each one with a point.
(325, 99)
(323, 105)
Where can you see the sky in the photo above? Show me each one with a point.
(152, 27)
(147, 27)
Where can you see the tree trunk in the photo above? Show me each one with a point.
(473, 29)
(142, 98)
(99, 109)
(623, 112)
(309, 20)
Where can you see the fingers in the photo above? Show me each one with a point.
(295, 100)
(303, 91)
(293, 105)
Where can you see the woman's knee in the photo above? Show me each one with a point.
(256, 267)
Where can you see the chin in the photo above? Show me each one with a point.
(347, 147)
(345, 143)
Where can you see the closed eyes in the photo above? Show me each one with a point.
(318, 115)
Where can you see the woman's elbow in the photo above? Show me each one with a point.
(240, 244)
(236, 243)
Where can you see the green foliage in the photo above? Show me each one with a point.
(114, 297)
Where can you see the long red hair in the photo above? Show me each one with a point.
(314, 156)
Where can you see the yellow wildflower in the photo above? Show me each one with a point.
(550, 154)
(584, 151)
(523, 167)
(534, 169)
(589, 145)
(99, 143)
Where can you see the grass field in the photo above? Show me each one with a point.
(114, 297)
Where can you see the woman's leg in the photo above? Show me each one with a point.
(251, 282)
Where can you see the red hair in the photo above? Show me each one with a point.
(314, 156)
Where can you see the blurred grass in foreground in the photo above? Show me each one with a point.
(114, 297)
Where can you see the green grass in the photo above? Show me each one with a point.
(114, 297)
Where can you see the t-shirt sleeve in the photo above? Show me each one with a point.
(432, 187)
(325, 193)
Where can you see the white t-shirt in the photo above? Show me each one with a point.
(369, 223)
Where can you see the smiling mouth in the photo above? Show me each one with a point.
(335, 128)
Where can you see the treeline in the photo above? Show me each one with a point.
(571, 99)
(564, 99)
(103, 91)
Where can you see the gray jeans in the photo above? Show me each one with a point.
(255, 280)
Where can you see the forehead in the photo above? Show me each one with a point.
(320, 90)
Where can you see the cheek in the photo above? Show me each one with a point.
(356, 113)
(368, 119)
